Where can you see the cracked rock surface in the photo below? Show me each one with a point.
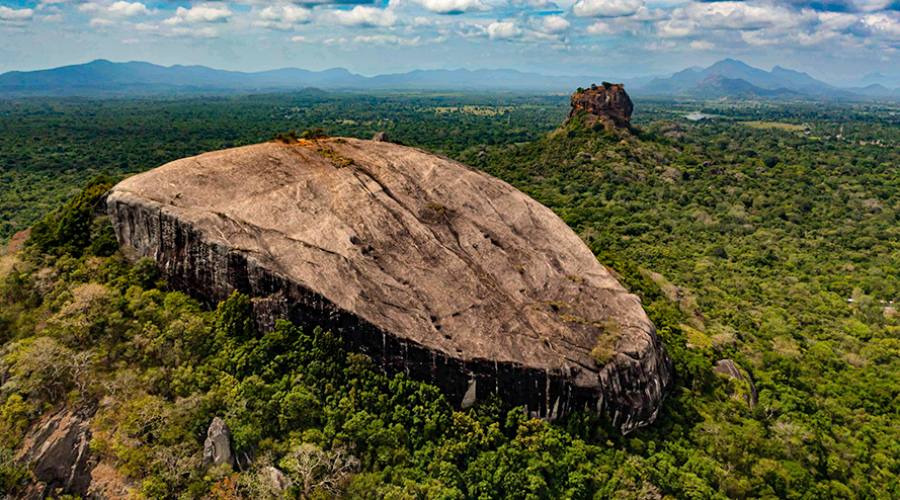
(428, 266)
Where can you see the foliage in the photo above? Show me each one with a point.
(71, 230)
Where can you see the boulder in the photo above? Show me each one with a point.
(608, 104)
(57, 450)
(275, 480)
(217, 446)
(380, 137)
(429, 267)
(730, 369)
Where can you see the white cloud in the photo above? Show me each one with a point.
(871, 5)
(126, 9)
(675, 28)
(883, 24)
(299, 39)
(15, 15)
(536, 4)
(604, 28)
(737, 15)
(90, 7)
(503, 30)
(606, 8)
(283, 17)
(554, 25)
(364, 16)
(200, 14)
(99, 22)
(193, 32)
(701, 45)
(660, 45)
(837, 20)
(695, 18)
(452, 6)
(387, 40)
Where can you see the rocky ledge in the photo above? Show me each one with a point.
(428, 266)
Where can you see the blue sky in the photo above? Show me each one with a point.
(836, 40)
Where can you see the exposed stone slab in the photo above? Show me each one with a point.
(430, 267)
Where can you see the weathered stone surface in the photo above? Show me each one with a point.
(432, 268)
(380, 137)
(217, 446)
(607, 103)
(57, 451)
(275, 480)
(730, 369)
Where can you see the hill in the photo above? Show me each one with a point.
(733, 78)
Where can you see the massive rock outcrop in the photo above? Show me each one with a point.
(432, 268)
(608, 104)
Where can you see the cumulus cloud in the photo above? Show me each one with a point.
(211, 13)
(727, 27)
(283, 17)
(451, 7)
(554, 25)
(872, 5)
(606, 8)
(15, 15)
(364, 16)
(884, 24)
(503, 30)
(696, 18)
(127, 9)
(606, 28)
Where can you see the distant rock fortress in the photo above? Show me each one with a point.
(429, 267)
(607, 104)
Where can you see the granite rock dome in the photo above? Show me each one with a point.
(428, 266)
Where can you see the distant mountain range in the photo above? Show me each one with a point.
(728, 78)
(732, 78)
(103, 77)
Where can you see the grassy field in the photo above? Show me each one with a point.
(787, 127)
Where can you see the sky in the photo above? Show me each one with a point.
(838, 41)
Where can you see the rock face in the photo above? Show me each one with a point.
(57, 451)
(429, 267)
(217, 446)
(608, 104)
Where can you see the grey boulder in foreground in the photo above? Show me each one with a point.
(431, 268)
